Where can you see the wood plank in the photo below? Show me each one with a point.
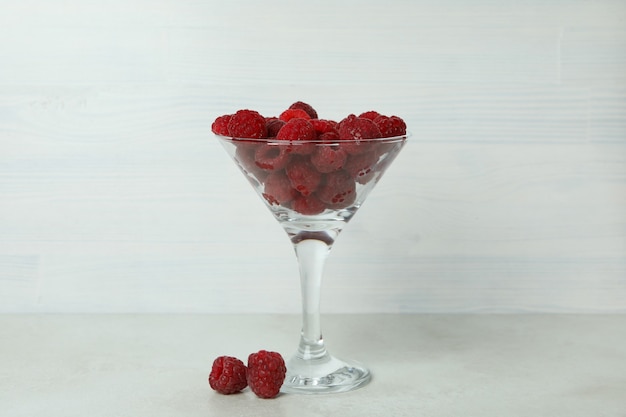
(510, 196)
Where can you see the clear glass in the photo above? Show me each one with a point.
(313, 189)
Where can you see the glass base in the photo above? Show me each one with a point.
(324, 375)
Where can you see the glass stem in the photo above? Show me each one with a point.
(311, 254)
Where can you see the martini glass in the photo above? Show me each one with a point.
(330, 194)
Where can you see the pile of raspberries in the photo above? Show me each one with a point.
(310, 164)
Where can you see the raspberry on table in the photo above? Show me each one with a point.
(247, 124)
(266, 373)
(306, 107)
(228, 375)
(303, 176)
(289, 114)
(220, 125)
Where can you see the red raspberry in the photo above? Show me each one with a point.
(228, 375)
(298, 130)
(306, 107)
(361, 166)
(289, 114)
(308, 205)
(338, 191)
(303, 176)
(390, 126)
(273, 125)
(277, 189)
(329, 137)
(271, 157)
(266, 373)
(247, 124)
(369, 115)
(354, 128)
(220, 125)
(328, 158)
(322, 126)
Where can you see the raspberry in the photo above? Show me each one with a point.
(298, 130)
(329, 137)
(328, 158)
(266, 373)
(361, 166)
(220, 125)
(247, 124)
(228, 375)
(322, 126)
(354, 129)
(306, 107)
(273, 125)
(289, 114)
(271, 157)
(338, 191)
(369, 115)
(308, 205)
(303, 176)
(277, 189)
(390, 126)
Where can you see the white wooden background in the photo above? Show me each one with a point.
(510, 197)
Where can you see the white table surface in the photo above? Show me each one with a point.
(423, 365)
